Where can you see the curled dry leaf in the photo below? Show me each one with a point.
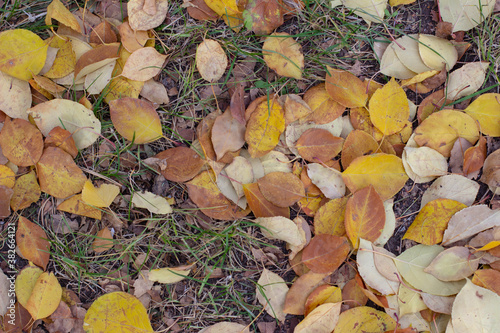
(143, 64)
(281, 188)
(19, 93)
(179, 164)
(283, 55)
(211, 60)
(58, 174)
(21, 142)
(146, 14)
(32, 242)
(136, 120)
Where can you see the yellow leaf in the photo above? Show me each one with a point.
(26, 191)
(136, 120)
(400, 2)
(75, 205)
(486, 110)
(170, 275)
(45, 296)
(384, 171)
(364, 319)
(437, 52)
(25, 282)
(228, 9)
(440, 130)
(322, 295)
(264, 128)
(389, 109)
(329, 219)
(22, 53)
(117, 312)
(322, 319)
(7, 176)
(102, 196)
(345, 88)
(152, 202)
(284, 55)
(65, 60)
(57, 11)
(489, 246)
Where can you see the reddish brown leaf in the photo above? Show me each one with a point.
(238, 103)
(474, 156)
(199, 10)
(318, 145)
(353, 295)
(301, 288)
(325, 253)
(5, 196)
(21, 142)
(32, 242)
(180, 164)
(264, 15)
(364, 216)
(59, 137)
(260, 206)
(487, 278)
(103, 34)
(281, 188)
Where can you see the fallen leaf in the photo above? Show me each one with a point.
(283, 55)
(136, 120)
(318, 145)
(329, 219)
(486, 109)
(226, 327)
(436, 53)
(369, 10)
(26, 191)
(328, 180)
(389, 225)
(199, 10)
(99, 79)
(432, 103)
(281, 188)
(155, 92)
(295, 130)
(25, 282)
(58, 174)
(95, 59)
(424, 164)
(45, 296)
(181, 164)
(439, 304)
(322, 319)
(474, 157)
(211, 60)
(65, 60)
(228, 134)
(491, 170)
(260, 206)
(19, 93)
(487, 278)
(325, 253)
(391, 65)
(345, 88)
(130, 39)
(324, 294)
(103, 34)
(72, 116)
(364, 216)
(384, 171)
(170, 275)
(409, 301)
(431, 222)
(22, 53)
(263, 17)
(229, 10)
(61, 138)
(282, 228)
(466, 80)
(463, 14)
(101, 196)
(21, 142)
(5, 198)
(364, 319)
(152, 202)
(32, 242)
(353, 295)
(358, 143)
(8, 177)
(117, 311)
(407, 51)
(453, 264)
(58, 11)
(76, 205)
(271, 293)
(300, 289)
(140, 17)
(103, 241)
(143, 64)
(454, 187)
(470, 221)
(324, 108)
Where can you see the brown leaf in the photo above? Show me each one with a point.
(281, 188)
(364, 216)
(325, 253)
(103, 241)
(228, 134)
(301, 288)
(260, 206)
(21, 142)
(103, 34)
(345, 88)
(61, 138)
(96, 58)
(199, 10)
(5, 197)
(475, 157)
(432, 103)
(32, 242)
(264, 15)
(179, 164)
(491, 170)
(318, 145)
(238, 103)
(352, 293)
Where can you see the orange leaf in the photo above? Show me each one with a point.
(358, 143)
(103, 241)
(322, 295)
(474, 156)
(32, 242)
(5, 197)
(59, 137)
(487, 278)
(345, 88)
(301, 288)
(283, 189)
(325, 253)
(364, 216)
(21, 142)
(353, 295)
(260, 206)
(75, 205)
(318, 145)
(179, 164)
(324, 108)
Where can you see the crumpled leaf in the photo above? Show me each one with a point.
(486, 110)
(146, 14)
(465, 14)
(283, 55)
(271, 293)
(117, 311)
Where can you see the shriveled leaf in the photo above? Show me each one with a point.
(475, 310)
(454, 187)
(364, 319)
(211, 60)
(103, 241)
(465, 14)
(22, 53)
(26, 191)
(318, 145)
(329, 219)
(322, 319)
(432, 220)
(271, 293)
(453, 264)
(170, 275)
(328, 180)
(300, 289)
(117, 311)
(345, 88)
(45, 296)
(145, 15)
(325, 253)
(180, 163)
(19, 93)
(437, 52)
(32, 242)
(21, 142)
(260, 206)
(76, 205)
(152, 202)
(281, 188)
(470, 221)
(440, 130)
(72, 116)
(486, 110)
(136, 120)
(411, 264)
(101, 196)
(384, 171)
(58, 174)
(283, 55)
(466, 80)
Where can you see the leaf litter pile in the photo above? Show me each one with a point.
(311, 176)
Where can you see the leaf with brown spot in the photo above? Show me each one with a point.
(281, 188)
(284, 55)
(211, 60)
(21, 142)
(76, 205)
(26, 191)
(260, 206)
(318, 145)
(364, 216)
(180, 164)
(58, 174)
(204, 192)
(329, 219)
(32, 242)
(345, 88)
(263, 16)
(325, 253)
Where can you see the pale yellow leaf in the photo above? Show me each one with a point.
(101, 196)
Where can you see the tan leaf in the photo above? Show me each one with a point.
(143, 64)
(228, 134)
(345, 88)
(140, 17)
(271, 292)
(103, 241)
(283, 55)
(281, 188)
(211, 60)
